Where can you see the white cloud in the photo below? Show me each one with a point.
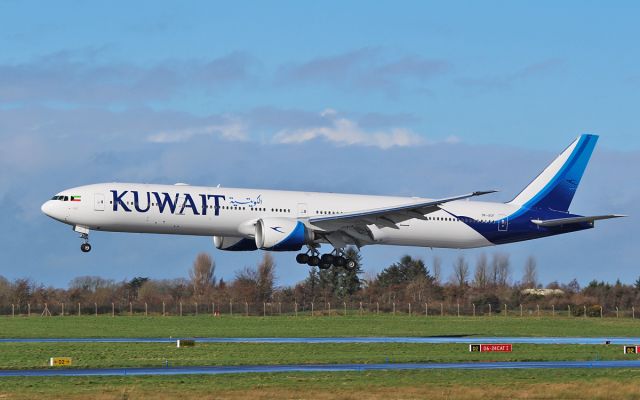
(233, 130)
(343, 131)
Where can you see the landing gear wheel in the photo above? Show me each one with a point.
(85, 247)
(313, 261)
(351, 265)
(324, 266)
(339, 261)
(327, 259)
(302, 258)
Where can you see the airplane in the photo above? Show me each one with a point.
(275, 220)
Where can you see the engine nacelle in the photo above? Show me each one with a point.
(281, 234)
(231, 243)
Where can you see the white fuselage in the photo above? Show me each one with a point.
(113, 207)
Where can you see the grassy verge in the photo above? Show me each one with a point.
(384, 325)
(99, 355)
(538, 384)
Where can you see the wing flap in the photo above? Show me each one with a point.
(573, 220)
(389, 215)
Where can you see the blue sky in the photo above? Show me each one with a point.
(411, 98)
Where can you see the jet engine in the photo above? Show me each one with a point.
(281, 234)
(231, 243)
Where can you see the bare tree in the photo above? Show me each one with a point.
(202, 275)
(530, 276)
(437, 269)
(500, 270)
(266, 277)
(460, 271)
(481, 276)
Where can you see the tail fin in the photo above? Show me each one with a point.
(555, 186)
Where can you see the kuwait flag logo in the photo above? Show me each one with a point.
(75, 198)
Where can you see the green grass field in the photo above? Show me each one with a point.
(614, 383)
(96, 355)
(371, 325)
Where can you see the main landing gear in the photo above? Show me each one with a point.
(336, 258)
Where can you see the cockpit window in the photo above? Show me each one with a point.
(54, 198)
(66, 198)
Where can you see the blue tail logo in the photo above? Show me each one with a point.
(555, 187)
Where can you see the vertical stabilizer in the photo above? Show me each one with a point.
(555, 186)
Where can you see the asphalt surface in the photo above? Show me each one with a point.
(426, 340)
(317, 368)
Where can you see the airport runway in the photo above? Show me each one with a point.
(426, 340)
(317, 368)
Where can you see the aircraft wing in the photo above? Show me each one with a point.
(348, 228)
(573, 220)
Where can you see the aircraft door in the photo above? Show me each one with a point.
(98, 202)
(503, 224)
(302, 210)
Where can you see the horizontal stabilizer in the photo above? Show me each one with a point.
(573, 220)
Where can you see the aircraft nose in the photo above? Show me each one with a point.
(46, 207)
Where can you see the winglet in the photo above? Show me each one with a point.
(481, 193)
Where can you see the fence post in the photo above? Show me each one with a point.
(474, 309)
(96, 308)
(441, 310)
(13, 310)
(409, 309)
(426, 309)
(312, 308)
(231, 308)
(296, 305)
(279, 308)
(633, 313)
(329, 304)
(28, 309)
(521, 310)
(617, 315)
(377, 308)
(181, 309)
(361, 309)
(196, 308)
(146, 310)
(344, 304)
(553, 310)
(458, 305)
(489, 309)
(568, 310)
(130, 308)
(62, 315)
(113, 310)
(585, 311)
(394, 308)
(538, 309)
(78, 309)
(505, 309)
(213, 309)
(163, 309)
(264, 309)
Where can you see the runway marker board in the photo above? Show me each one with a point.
(491, 348)
(631, 349)
(59, 361)
(185, 343)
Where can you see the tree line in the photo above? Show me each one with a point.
(489, 282)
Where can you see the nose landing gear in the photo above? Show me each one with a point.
(84, 235)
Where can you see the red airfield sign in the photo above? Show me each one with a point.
(492, 347)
